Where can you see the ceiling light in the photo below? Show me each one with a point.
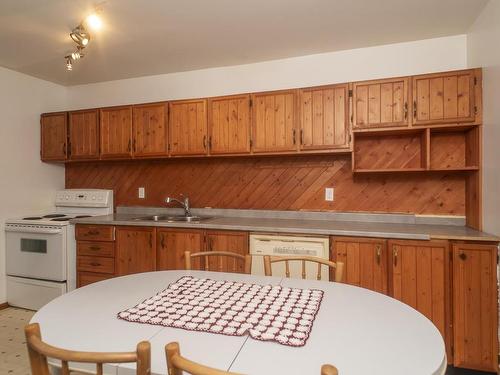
(94, 21)
(78, 54)
(69, 65)
(80, 36)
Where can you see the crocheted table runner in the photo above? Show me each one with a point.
(265, 312)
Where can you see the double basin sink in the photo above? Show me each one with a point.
(173, 219)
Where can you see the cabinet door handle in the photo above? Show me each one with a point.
(301, 136)
(93, 232)
(406, 110)
(395, 255)
(162, 241)
(95, 264)
(293, 136)
(378, 252)
(415, 109)
(463, 256)
(205, 142)
(95, 248)
(134, 144)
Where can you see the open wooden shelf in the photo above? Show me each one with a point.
(439, 149)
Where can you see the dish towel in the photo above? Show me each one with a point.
(265, 312)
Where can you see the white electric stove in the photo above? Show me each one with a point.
(41, 248)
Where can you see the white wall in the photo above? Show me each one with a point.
(359, 64)
(482, 50)
(26, 184)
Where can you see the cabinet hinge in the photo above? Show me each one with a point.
(352, 119)
(350, 93)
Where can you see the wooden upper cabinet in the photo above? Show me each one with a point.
(232, 241)
(365, 261)
(419, 276)
(444, 98)
(116, 132)
(188, 127)
(274, 121)
(229, 124)
(84, 134)
(379, 104)
(171, 245)
(53, 136)
(135, 250)
(475, 311)
(324, 119)
(150, 130)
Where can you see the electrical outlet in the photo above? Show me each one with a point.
(141, 193)
(329, 192)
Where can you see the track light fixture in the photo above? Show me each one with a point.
(81, 36)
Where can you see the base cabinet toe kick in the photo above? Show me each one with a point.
(452, 283)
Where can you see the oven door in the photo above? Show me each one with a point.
(36, 251)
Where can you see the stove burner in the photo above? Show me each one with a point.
(53, 215)
(81, 216)
(61, 219)
(32, 218)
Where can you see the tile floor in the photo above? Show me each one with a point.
(14, 357)
(13, 354)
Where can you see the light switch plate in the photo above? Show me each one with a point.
(329, 192)
(141, 193)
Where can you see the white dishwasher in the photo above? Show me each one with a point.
(284, 245)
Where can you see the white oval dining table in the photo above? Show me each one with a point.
(357, 330)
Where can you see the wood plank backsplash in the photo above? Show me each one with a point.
(275, 183)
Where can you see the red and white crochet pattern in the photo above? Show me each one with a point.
(265, 312)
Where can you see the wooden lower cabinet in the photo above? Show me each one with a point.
(135, 250)
(86, 278)
(475, 310)
(419, 277)
(365, 261)
(234, 242)
(171, 245)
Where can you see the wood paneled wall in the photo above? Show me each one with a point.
(275, 183)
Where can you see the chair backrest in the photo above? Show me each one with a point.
(269, 260)
(221, 258)
(176, 364)
(329, 370)
(39, 351)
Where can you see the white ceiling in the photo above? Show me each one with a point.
(161, 36)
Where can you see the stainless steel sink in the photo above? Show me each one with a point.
(173, 219)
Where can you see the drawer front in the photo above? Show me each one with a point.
(86, 278)
(101, 249)
(95, 232)
(96, 264)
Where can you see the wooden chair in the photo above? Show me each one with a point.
(269, 260)
(39, 351)
(221, 255)
(176, 364)
(329, 370)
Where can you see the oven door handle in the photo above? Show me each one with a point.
(26, 229)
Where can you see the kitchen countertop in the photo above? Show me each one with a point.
(308, 226)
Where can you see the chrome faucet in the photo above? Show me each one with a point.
(184, 204)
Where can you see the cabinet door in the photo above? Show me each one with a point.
(365, 261)
(135, 250)
(274, 121)
(379, 104)
(84, 134)
(53, 136)
(229, 124)
(188, 127)
(475, 307)
(116, 132)
(172, 243)
(419, 278)
(150, 130)
(235, 242)
(444, 98)
(324, 118)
